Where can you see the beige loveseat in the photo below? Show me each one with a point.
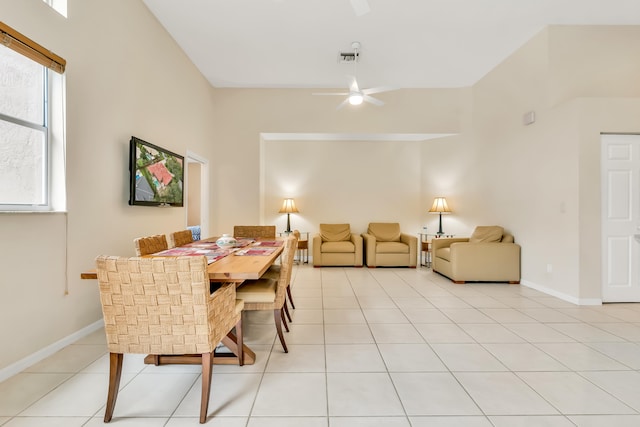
(386, 246)
(489, 255)
(335, 245)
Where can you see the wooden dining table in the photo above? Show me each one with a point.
(230, 268)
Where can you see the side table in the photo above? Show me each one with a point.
(425, 246)
(303, 246)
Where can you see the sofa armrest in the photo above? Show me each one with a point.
(412, 241)
(369, 242)
(445, 243)
(357, 242)
(316, 245)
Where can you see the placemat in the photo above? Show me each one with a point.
(269, 243)
(255, 251)
(212, 255)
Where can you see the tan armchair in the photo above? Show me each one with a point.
(386, 246)
(489, 255)
(335, 245)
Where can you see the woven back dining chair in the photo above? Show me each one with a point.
(150, 244)
(254, 231)
(269, 294)
(162, 306)
(180, 238)
(274, 273)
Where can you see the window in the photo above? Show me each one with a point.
(59, 6)
(31, 143)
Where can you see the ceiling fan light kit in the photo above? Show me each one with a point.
(355, 98)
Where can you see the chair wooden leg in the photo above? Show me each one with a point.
(286, 311)
(115, 372)
(277, 314)
(207, 370)
(290, 297)
(284, 321)
(240, 342)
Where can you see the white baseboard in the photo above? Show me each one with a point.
(32, 359)
(562, 296)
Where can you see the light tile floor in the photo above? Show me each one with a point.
(372, 348)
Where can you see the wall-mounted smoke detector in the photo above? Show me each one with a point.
(348, 57)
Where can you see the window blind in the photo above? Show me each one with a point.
(32, 50)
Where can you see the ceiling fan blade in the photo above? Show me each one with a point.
(331, 93)
(343, 103)
(353, 84)
(360, 7)
(374, 101)
(378, 90)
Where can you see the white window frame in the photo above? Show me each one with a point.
(53, 132)
(59, 6)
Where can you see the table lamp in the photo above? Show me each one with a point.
(440, 207)
(288, 207)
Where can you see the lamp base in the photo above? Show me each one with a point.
(440, 232)
(288, 230)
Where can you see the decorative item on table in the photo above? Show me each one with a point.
(288, 207)
(226, 241)
(440, 207)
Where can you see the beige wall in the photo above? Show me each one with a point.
(543, 181)
(353, 182)
(540, 181)
(243, 114)
(122, 80)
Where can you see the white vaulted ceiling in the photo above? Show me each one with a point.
(405, 43)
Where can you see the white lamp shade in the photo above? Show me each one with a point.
(440, 206)
(288, 206)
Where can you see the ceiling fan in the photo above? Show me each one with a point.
(357, 96)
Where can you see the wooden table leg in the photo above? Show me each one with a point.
(231, 358)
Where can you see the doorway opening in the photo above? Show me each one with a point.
(197, 192)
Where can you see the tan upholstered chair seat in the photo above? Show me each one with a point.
(386, 246)
(337, 247)
(259, 291)
(392, 248)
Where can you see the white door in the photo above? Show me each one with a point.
(620, 166)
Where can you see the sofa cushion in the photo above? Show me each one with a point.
(385, 231)
(486, 234)
(392, 248)
(507, 238)
(444, 253)
(335, 232)
(338, 247)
